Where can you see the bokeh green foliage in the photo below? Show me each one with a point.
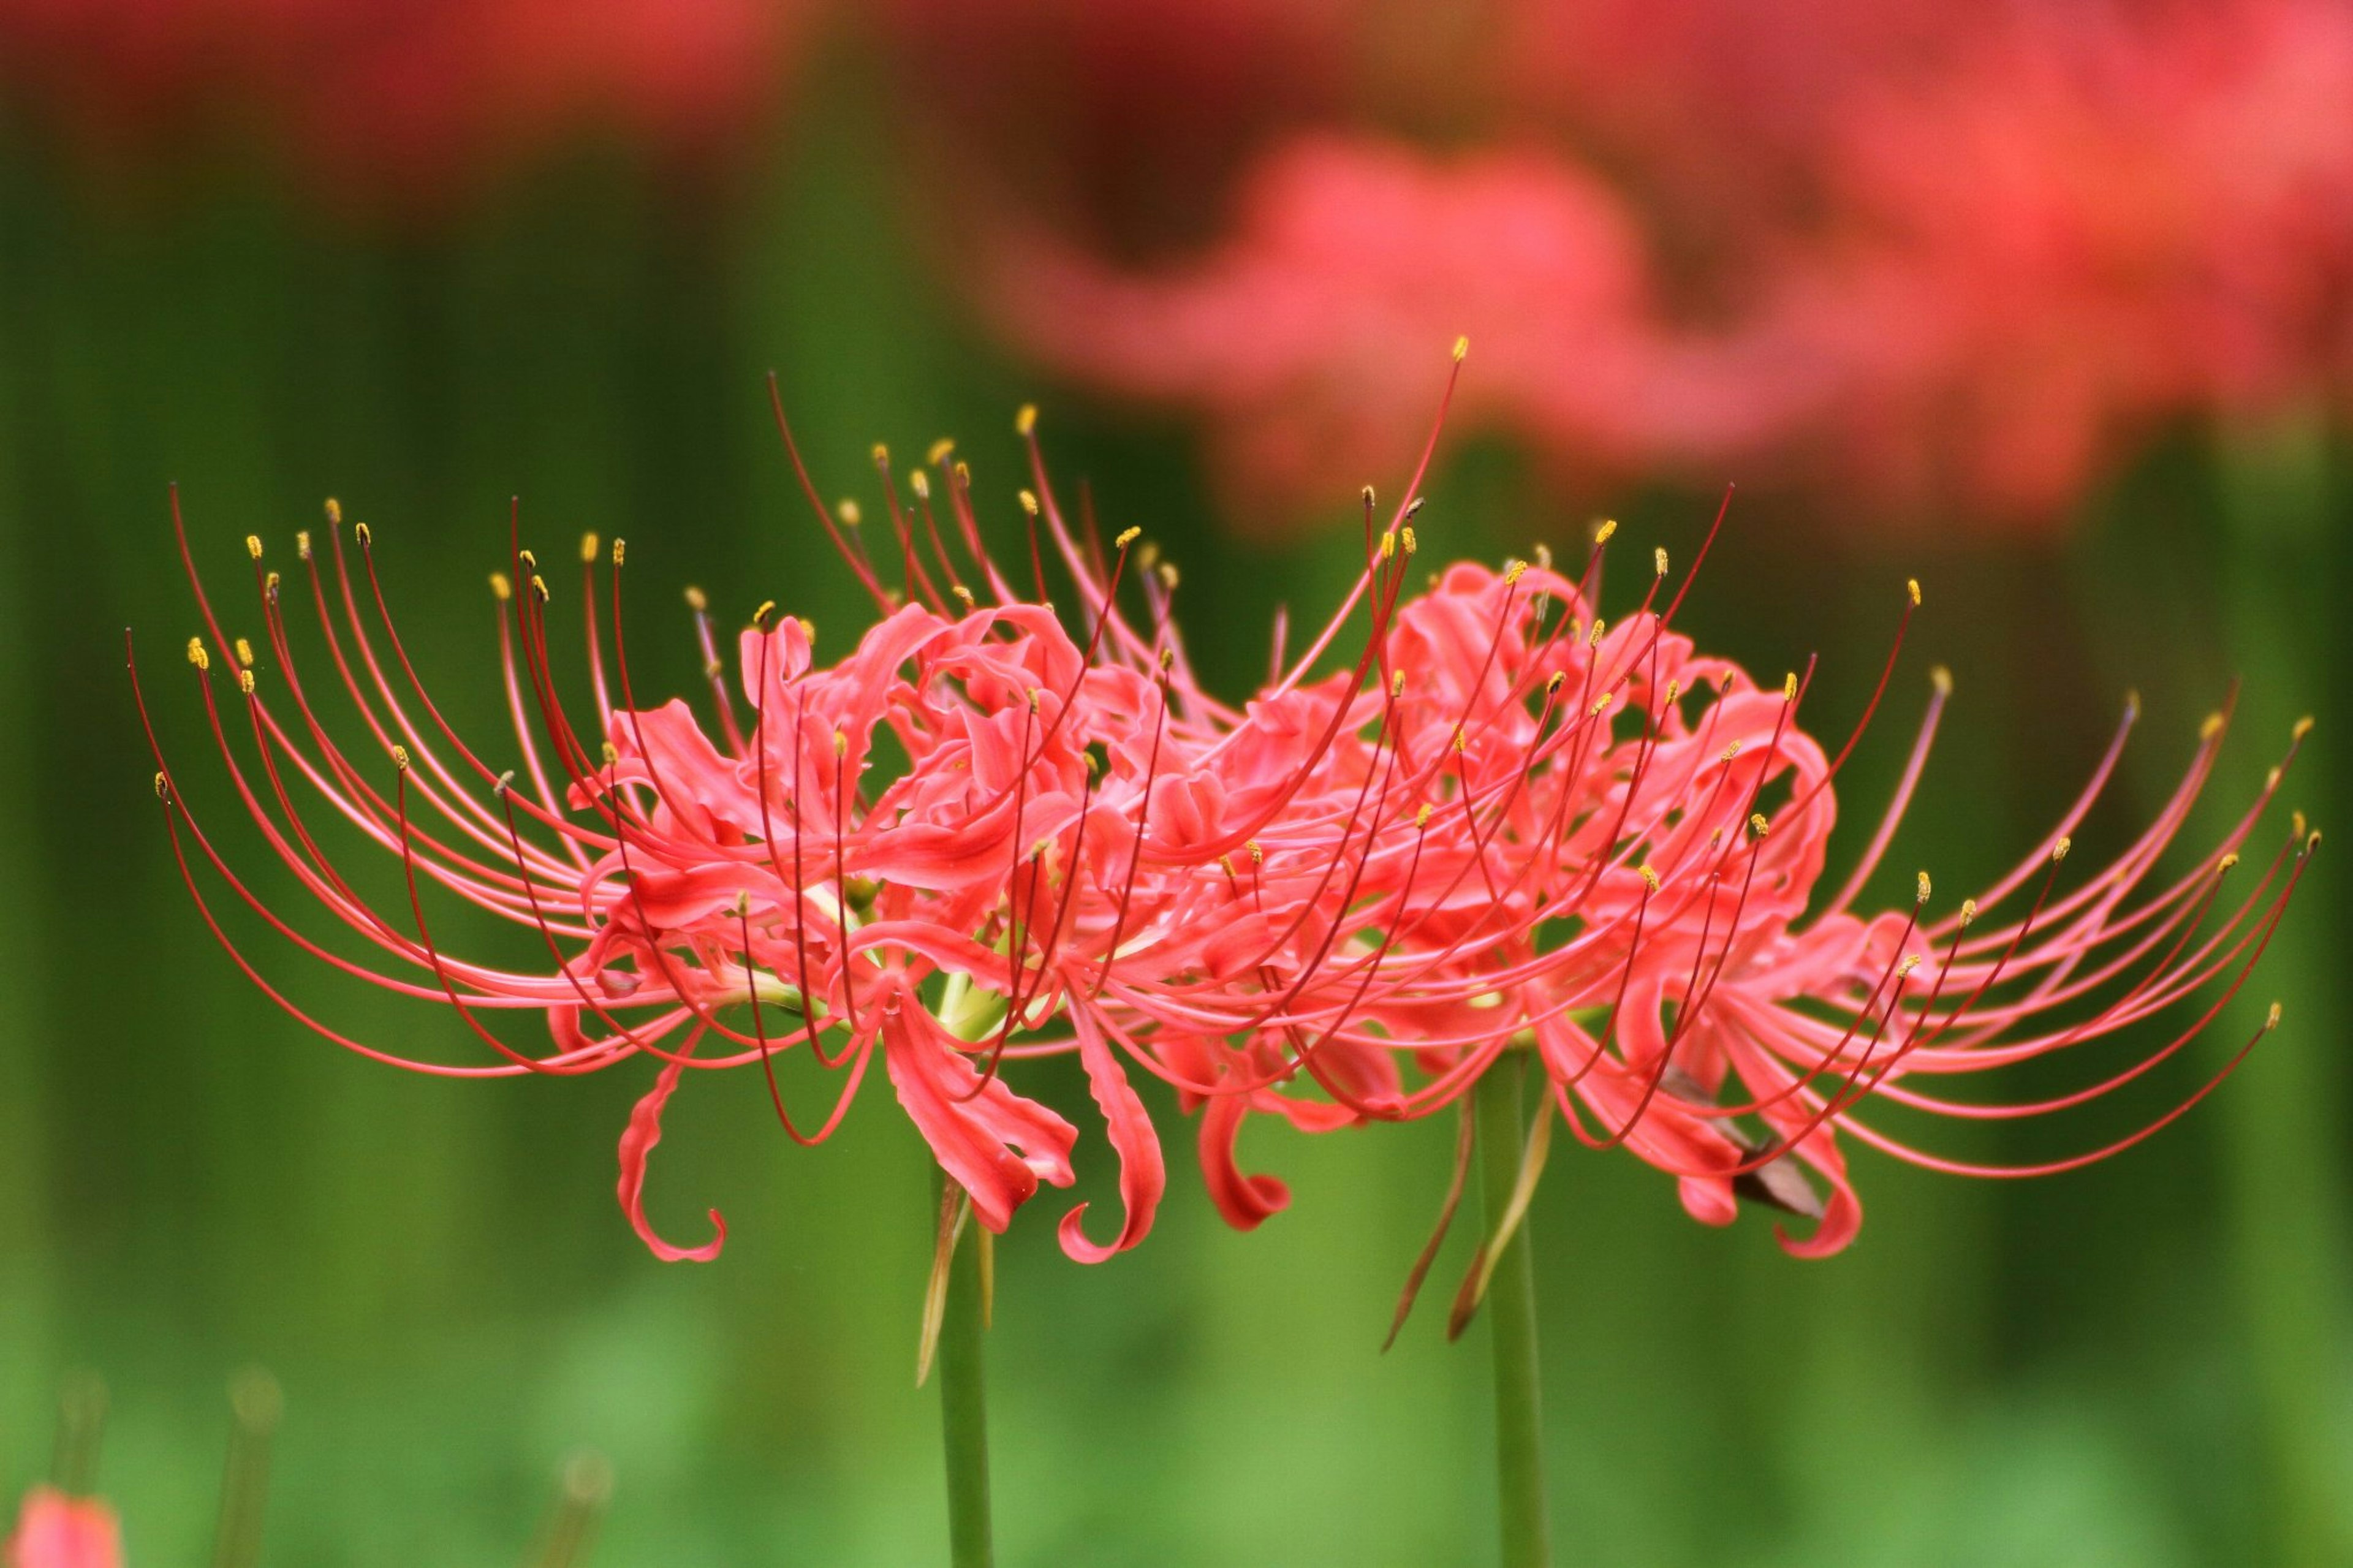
(2143, 1364)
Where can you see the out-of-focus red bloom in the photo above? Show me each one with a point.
(1503, 823)
(1348, 256)
(54, 1530)
(1938, 262)
(2082, 229)
(377, 98)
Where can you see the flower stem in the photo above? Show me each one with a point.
(963, 1404)
(1511, 1325)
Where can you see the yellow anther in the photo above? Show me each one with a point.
(711, 669)
(1127, 537)
(1968, 913)
(1029, 503)
(1942, 679)
(1025, 420)
(1514, 570)
(1543, 554)
(2302, 728)
(530, 560)
(1593, 637)
(2272, 1018)
(1674, 689)
(1227, 863)
(1904, 970)
(1397, 683)
(743, 906)
(1716, 839)
(1462, 348)
(1758, 824)
(1912, 587)
(2312, 841)
(849, 512)
(1649, 878)
(400, 758)
(2295, 824)
(539, 586)
(1409, 542)
(589, 545)
(962, 473)
(612, 755)
(270, 584)
(620, 549)
(503, 783)
(2211, 728)
(921, 484)
(302, 544)
(2226, 862)
(335, 512)
(1459, 743)
(197, 654)
(1659, 560)
(1033, 700)
(1257, 853)
(502, 589)
(1789, 687)
(1168, 660)
(244, 681)
(163, 787)
(244, 653)
(760, 616)
(1601, 534)
(363, 534)
(1730, 751)
(880, 454)
(253, 545)
(940, 450)
(1922, 894)
(1600, 705)
(1168, 575)
(963, 593)
(2059, 850)
(1553, 681)
(1421, 817)
(1388, 543)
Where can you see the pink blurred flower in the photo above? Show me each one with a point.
(2082, 229)
(1932, 263)
(980, 837)
(375, 99)
(54, 1530)
(1348, 256)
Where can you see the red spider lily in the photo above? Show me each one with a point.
(54, 1530)
(400, 100)
(1959, 260)
(982, 837)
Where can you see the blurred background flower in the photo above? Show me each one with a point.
(2047, 304)
(372, 101)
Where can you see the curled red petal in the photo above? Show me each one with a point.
(997, 1145)
(637, 1140)
(1244, 1200)
(1142, 1173)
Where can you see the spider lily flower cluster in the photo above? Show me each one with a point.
(1501, 821)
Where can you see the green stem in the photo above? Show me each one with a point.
(1511, 1325)
(963, 1404)
(2283, 1174)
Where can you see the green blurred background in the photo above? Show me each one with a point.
(2143, 1364)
